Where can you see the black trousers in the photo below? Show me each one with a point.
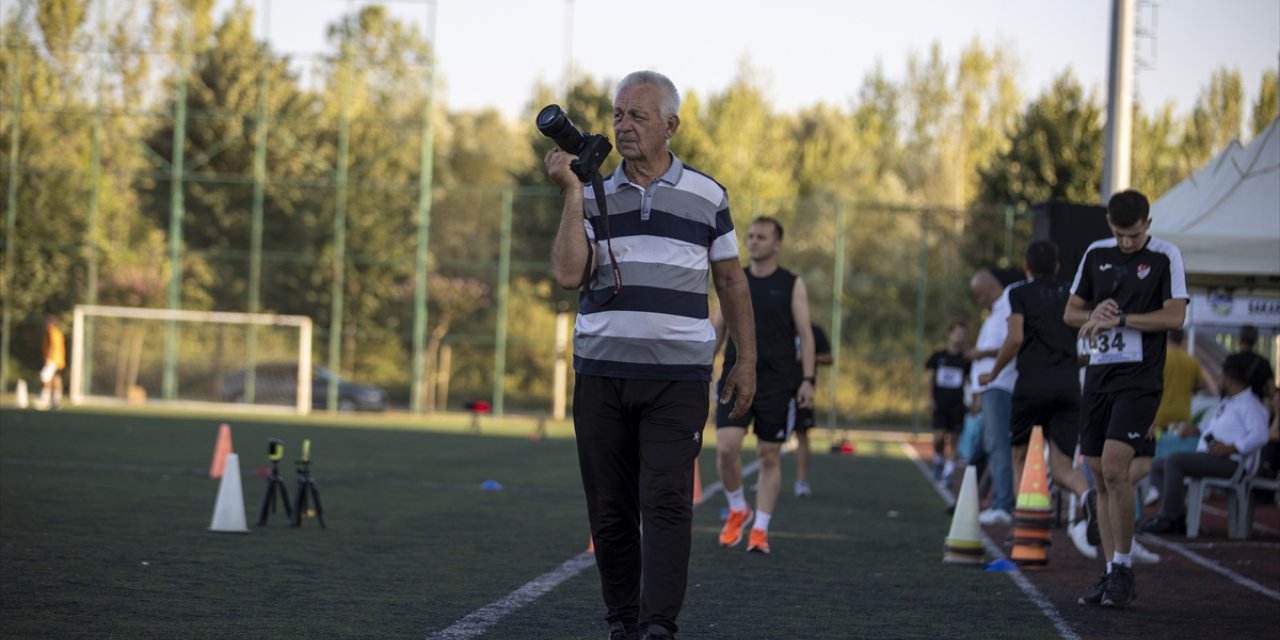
(637, 441)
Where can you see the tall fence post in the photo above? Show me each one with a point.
(261, 129)
(837, 315)
(10, 219)
(918, 359)
(504, 292)
(169, 388)
(95, 179)
(426, 166)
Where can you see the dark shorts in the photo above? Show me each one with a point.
(772, 414)
(1056, 410)
(949, 418)
(1125, 416)
(805, 420)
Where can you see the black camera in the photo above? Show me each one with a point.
(591, 148)
(275, 449)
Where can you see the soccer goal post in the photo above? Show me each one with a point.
(175, 357)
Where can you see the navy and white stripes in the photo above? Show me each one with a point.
(664, 239)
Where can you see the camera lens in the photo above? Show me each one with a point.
(554, 123)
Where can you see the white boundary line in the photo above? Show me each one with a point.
(1222, 513)
(1028, 589)
(478, 621)
(1215, 567)
(474, 624)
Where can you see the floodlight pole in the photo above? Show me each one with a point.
(1119, 134)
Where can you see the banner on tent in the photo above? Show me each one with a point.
(1220, 308)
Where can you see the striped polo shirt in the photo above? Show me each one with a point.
(665, 238)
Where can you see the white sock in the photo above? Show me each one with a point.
(1122, 559)
(949, 468)
(762, 521)
(737, 499)
(1108, 567)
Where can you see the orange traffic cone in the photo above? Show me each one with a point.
(697, 483)
(220, 450)
(1032, 518)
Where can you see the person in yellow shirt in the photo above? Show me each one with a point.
(55, 360)
(1183, 377)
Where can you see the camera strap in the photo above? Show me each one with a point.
(588, 274)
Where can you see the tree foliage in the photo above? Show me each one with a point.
(924, 167)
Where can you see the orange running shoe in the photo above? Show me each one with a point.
(731, 534)
(759, 541)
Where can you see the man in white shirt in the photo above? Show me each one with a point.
(1237, 428)
(996, 398)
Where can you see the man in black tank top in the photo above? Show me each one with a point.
(780, 304)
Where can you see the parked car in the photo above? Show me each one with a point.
(277, 383)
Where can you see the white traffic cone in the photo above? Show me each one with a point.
(20, 394)
(228, 511)
(964, 543)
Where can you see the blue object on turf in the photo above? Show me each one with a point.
(1000, 565)
(490, 485)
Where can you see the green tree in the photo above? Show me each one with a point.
(1216, 119)
(1157, 162)
(1267, 107)
(752, 148)
(1055, 151)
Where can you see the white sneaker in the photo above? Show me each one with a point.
(1152, 496)
(1142, 555)
(995, 517)
(1079, 534)
(802, 489)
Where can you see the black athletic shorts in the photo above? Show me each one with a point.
(772, 414)
(1125, 416)
(949, 418)
(1057, 411)
(805, 419)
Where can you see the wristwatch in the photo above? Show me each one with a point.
(810, 379)
(1120, 320)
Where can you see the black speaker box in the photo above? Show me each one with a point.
(1073, 227)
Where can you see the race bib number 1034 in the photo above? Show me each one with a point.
(1114, 346)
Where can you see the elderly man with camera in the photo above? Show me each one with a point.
(644, 342)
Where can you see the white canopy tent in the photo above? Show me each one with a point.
(1226, 217)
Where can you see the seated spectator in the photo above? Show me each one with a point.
(1259, 375)
(1237, 428)
(1269, 465)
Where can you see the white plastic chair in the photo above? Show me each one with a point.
(1264, 484)
(1237, 488)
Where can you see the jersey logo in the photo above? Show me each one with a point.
(1134, 435)
(697, 437)
(1144, 270)
(1104, 267)
(781, 434)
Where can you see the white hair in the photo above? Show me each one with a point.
(669, 105)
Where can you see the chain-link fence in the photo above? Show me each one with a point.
(214, 175)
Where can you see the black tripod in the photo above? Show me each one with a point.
(274, 484)
(307, 491)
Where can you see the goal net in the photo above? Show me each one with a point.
(176, 357)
